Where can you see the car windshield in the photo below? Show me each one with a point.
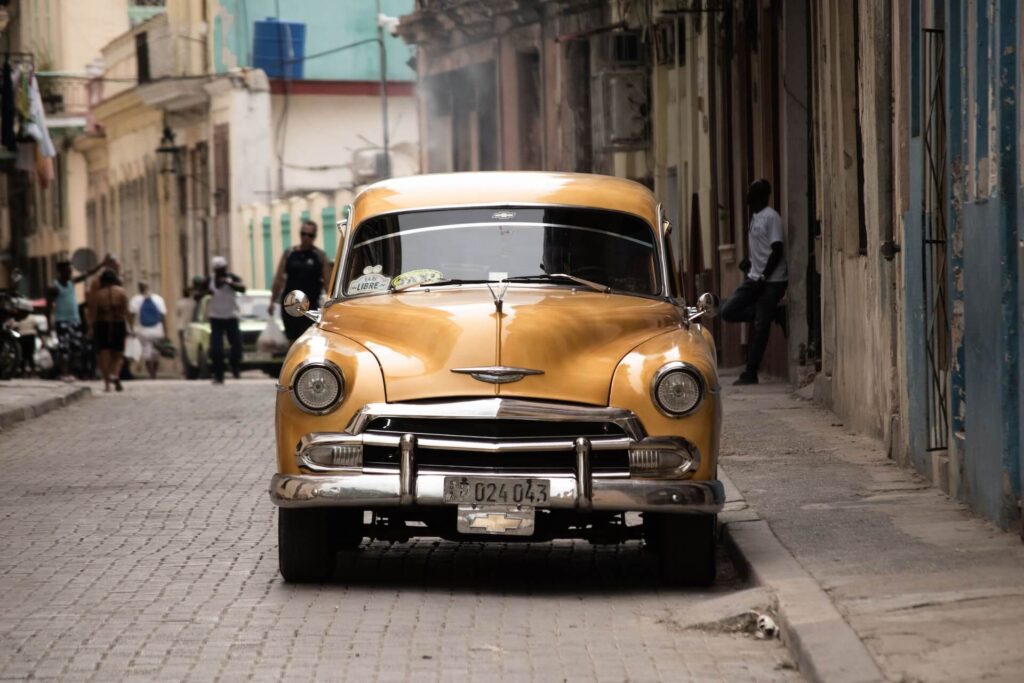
(253, 306)
(399, 251)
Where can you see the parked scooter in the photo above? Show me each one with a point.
(13, 307)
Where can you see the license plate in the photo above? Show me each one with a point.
(497, 491)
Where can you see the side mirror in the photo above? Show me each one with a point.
(296, 304)
(707, 303)
(707, 306)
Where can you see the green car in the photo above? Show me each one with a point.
(253, 317)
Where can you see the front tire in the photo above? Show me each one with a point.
(203, 367)
(191, 371)
(685, 546)
(308, 541)
(10, 357)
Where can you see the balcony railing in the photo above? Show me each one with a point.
(63, 94)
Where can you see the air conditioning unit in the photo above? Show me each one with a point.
(620, 109)
(369, 165)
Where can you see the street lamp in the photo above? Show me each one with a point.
(168, 153)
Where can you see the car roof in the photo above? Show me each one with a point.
(490, 188)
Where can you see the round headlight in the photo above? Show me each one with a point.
(678, 389)
(318, 388)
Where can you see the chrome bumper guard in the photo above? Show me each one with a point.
(386, 490)
(348, 484)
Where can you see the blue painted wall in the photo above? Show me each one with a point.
(984, 230)
(329, 24)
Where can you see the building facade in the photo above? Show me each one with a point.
(890, 133)
(42, 210)
(187, 128)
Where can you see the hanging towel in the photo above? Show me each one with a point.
(7, 138)
(35, 126)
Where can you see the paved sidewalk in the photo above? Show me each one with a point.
(934, 593)
(23, 399)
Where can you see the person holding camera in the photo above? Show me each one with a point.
(223, 314)
(757, 298)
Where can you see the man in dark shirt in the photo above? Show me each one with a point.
(306, 269)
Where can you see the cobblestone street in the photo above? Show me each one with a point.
(140, 543)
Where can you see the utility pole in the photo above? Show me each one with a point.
(386, 170)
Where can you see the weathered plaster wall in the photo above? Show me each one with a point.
(857, 369)
(317, 135)
(796, 156)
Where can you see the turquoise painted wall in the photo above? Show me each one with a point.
(268, 258)
(329, 24)
(986, 382)
(330, 232)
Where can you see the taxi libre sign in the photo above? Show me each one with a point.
(370, 281)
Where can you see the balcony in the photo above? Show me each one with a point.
(63, 94)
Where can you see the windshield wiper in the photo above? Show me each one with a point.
(542, 277)
(439, 283)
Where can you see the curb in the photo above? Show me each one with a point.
(12, 416)
(823, 645)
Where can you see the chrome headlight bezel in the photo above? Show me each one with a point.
(311, 365)
(674, 367)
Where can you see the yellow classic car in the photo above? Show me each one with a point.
(504, 356)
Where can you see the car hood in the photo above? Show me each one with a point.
(575, 338)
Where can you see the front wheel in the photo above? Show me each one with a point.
(685, 546)
(308, 541)
(10, 356)
(191, 371)
(203, 364)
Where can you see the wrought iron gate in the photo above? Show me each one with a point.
(933, 232)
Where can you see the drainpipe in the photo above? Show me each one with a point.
(889, 247)
(386, 170)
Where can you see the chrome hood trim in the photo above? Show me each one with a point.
(499, 408)
(497, 374)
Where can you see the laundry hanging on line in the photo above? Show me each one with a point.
(23, 120)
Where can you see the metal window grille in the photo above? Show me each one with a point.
(933, 224)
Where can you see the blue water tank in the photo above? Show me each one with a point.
(278, 47)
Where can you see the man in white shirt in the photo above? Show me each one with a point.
(757, 298)
(223, 314)
(148, 313)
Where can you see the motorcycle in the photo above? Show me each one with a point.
(13, 308)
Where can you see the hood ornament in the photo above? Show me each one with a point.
(497, 374)
(499, 295)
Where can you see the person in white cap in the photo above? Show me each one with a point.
(223, 314)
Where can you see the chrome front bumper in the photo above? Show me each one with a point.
(582, 489)
(386, 490)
